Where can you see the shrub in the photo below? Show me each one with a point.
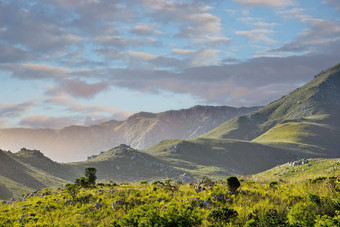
(143, 182)
(233, 183)
(222, 215)
(273, 218)
(158, 183)
(90, 174)
(314, 199)
(181, 216)
(72, 190)
(301, 215)
(317, 180)
(82, 182)
(272, 183)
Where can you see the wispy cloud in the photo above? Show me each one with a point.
(319, 37)
(334, 3)
(14, 110)
(258, 35)
(269, 3)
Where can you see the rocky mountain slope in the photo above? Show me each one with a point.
(141, 130)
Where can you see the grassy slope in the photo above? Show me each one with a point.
(309, 115)
(292, 173)
(220, 158)
(18, 177)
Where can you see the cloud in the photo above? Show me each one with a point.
(258, 35)
(111, 53)
(15, 110)
(40, 121)
(256, 22)
(335, 3)
(34, 28)
(199, 57)
(269, 3)
(321, 36)
(11, 54)
(78, 115)
(66, 81)
(144, 29)
(112, 40)
(253, 82)
(35, 71)
(88, 112)
(141, 55)
(78, 88)
(193, 18)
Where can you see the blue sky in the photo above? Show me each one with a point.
(83, 62)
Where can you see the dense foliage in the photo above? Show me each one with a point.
(165, 203)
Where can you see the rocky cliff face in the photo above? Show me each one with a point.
(141, 130)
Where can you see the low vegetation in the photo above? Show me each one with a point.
(233, 201)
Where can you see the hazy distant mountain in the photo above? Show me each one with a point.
(141, 130)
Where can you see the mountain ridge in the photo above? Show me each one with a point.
(141, 130)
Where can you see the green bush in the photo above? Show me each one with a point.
(222, 215)
(72, 190)
(273, 218)
(233, 183)
(82, 182)
(301, 215)
(273, 183)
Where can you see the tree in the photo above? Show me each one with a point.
(233, 183)
(90, 174)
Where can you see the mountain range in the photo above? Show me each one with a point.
(140, 130)
(303, 124)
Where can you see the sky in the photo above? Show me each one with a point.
(84, 62)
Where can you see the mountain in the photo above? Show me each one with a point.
(309, 116)
(29, 170)
(303, 124)
(140, 130)
(18, 177)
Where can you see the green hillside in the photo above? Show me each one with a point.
(300, 170)
(309, 115)
(220, 158)
(17, 177)
(257, 202)
(124, 163)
